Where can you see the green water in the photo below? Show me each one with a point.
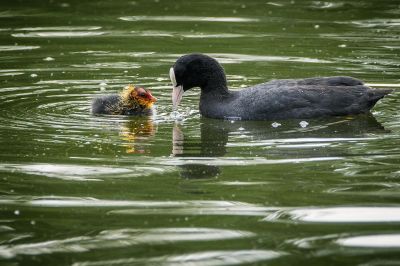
(83, 190)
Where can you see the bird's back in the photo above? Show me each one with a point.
(300, 98)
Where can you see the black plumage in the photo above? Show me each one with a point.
(276, 99)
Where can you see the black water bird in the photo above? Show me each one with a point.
(276, 99)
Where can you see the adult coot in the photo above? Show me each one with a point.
(131, 101)
(277, 99)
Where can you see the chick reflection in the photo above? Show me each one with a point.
(214, 139)
(135, 134)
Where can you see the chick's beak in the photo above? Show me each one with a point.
(150, 96)
(153, 99)
(177, 91)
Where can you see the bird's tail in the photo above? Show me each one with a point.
(377, 94)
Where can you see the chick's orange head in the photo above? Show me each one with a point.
(143, 96)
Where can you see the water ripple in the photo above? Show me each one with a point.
(188, 19)
(371, 241)
(79, 172)
(116, 65)
(6, 48)
(372, 23)
(240, 183)
(183, 207)
(225, 58)
(346, 243)
(227, 161)
(194, 35)
(58, 34)
(206, 258)
(299, 141)
(126, 237)
(93, 202)
(381, 189)
(325, 5)
(60, 28)
(61, 108)
(338, 215)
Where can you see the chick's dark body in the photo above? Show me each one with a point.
(113, 105)
(103, 104)
(128, 102)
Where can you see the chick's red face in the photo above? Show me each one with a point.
(143, 96)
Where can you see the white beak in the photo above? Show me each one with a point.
(177, 91)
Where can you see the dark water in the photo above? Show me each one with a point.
(83, 190)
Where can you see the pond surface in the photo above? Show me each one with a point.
(78, 189)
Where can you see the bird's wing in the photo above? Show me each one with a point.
(320, 81)
(309, 101)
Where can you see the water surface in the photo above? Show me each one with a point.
(78, 189)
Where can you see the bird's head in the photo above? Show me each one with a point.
(195, 70)
(137, 96)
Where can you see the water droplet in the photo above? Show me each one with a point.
(16, 212)
(304, 124)
(342, 45)
(316, 26)
(276, 124)
(176, 116)
(48, 58)
(34, 75)
(33, 222)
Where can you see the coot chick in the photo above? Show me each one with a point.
(277, 99)
(131, 101)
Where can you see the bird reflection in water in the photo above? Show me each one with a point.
(211, 144)
(135, 134)
(214, 138)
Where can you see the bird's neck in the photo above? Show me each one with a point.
(216, 94)
(215, 90)
(216, 83)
